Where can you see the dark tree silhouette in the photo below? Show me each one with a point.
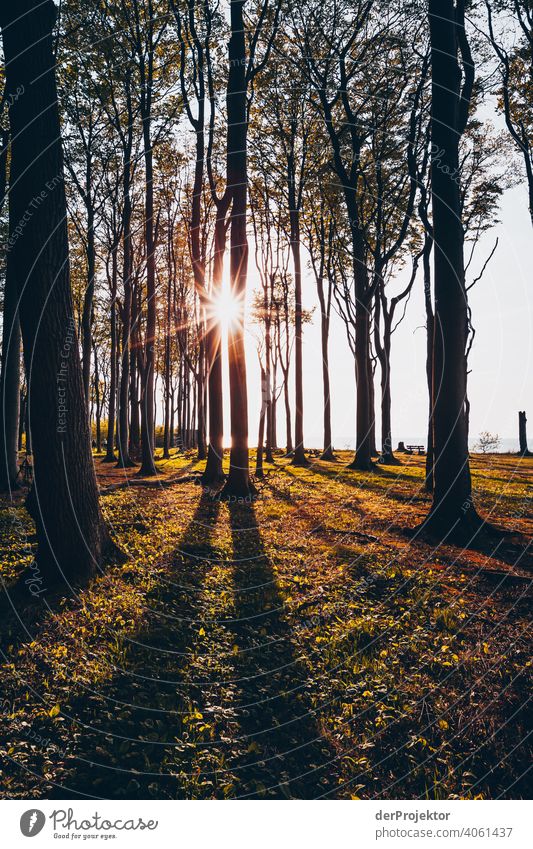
(10, 371)
(452, 512)
(63, 500)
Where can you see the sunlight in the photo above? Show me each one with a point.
(226, 308)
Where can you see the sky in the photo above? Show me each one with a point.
(501, 360)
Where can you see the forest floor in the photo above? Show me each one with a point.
(301, 646)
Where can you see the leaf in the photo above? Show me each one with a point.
(53, 712)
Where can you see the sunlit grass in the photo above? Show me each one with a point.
(405, 660)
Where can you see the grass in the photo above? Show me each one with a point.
(267, 651)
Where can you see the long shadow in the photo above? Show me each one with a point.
(286, 754)
(26, 602)
(351, 479)
(512, 548)
(126, 732)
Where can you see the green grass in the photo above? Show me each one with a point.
(264, 650)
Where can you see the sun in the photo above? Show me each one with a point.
(226, 308)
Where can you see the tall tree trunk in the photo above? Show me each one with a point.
(10, 377)
(261, 435)
(124, 460)
(87, 317)
(135, 370)
(452, 510)
(273, 422)
(372, 406)
(327, 453)
(10, 367)
(288, 423)
(147, 385)
(72, 537)
(387, 455)
(238, 483)
(167, 376)
(97, 401)
(430, 335)
(299, 458)
(213, 473)
(364, 413)
(171, 440)
(522, 433)
(268, 385)
(200, 378)
(383, 352)
(22, 419)
(110, 448)
(363, 453)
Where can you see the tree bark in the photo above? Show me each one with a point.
(110, 448)
(124, 460)
(522, 433)
(72, 537)
(97, 401)
(87, 317)
(147, 384)
(259, 471)
(364, 412)
(452, 510)
(238, 484)
(327, 453)
(299, 458)
(213, 473)
(10, 378)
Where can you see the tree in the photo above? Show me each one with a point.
(243, 68)
(337, 41)
(488, 443)
(10, 366)
(320, 229)
(63, 501)
(452, 513)
(192, 40)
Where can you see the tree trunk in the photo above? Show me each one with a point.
(364, 412)
(522, 433)
(363, 454)
(387, 457)
(147, 384)
(22, 419)
(200, 378)
(372, 406)
(299, 458)
(124, 460)
(273, 414)
(213, 473)
(452, 510)
(383, 352)
(288, 422)
(97, 401)
(87, 313)
(72, 537)
(10, 377)
(261, 435)
(268, 384)
(430, 334)
(238, 484)
(135, 369)
(110, 452)
(327, 453)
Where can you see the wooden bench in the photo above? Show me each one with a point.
(412, 448)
